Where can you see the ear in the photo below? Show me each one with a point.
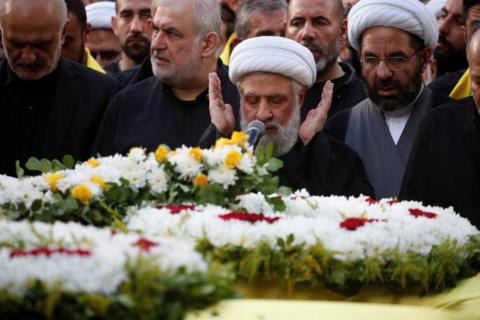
(343, 30)
(86, 31)
(210, 43)
(464, 30)
(64, 30)
(114, 25)
(301, 96)
(426, 57)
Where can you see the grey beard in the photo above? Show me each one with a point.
(285, 137)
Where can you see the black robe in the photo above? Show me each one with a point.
(148, 114)
(444, 168)
(325, 166)
(445, 84)
(51, 117)
(348, 90)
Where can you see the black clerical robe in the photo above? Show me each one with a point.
(48, 118)
(444, 168)
(325, 166)
(348, 90)
(148, 114)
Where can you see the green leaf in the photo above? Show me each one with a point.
(36, 205)
(18, 169)
(277, 203)
(45, 166)
(268, 150)
(274, 164)
(57, 165)
(33, 164)
(68, 161)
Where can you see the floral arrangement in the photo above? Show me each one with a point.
(74, 271)
(345, 243)
(98, 191)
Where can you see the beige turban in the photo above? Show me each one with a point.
(275, 55)
(408, 15)
(99, 14)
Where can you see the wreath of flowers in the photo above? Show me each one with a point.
(344, 243)
(63, 269)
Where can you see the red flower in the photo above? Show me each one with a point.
(49, 252)
(248, 217)
(177, 208)
(419, 213)
(145, 244)
(371, 201)
(353, 223)
(392, 202)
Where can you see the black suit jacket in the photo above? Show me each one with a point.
(81, 96)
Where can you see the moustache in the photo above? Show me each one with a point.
(311, 46)
(137, 37)
(35, 65)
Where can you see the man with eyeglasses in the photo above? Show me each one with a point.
(394, 39)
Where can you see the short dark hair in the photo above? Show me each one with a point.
(78, 9)
(251, 7)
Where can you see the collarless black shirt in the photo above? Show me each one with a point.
(25, 107)
(348, 90)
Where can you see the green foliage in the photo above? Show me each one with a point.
(43, 166)
(148, 294)
(296, 265)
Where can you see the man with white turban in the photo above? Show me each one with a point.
(102, 42)
(272, 75)
(395, 39)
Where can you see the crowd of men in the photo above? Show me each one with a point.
(373, 97)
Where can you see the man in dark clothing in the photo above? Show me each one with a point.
(49, 106)
(172, 107)
(273, 75)
(319, 25)
(444, 168)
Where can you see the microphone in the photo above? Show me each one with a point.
(255, 131)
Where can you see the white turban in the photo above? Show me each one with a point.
(275, 55)
(436, 7)
(99, 14)
(409, 15)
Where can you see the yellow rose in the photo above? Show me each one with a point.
(92, 162)
(201, 180)
(220, 143)
(196, 153)
(239, 138)
(232, 159)
(82, 193)
(52, 179)
(98, 180)
(161, 153)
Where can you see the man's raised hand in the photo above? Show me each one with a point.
(221, 113)
(316, 118)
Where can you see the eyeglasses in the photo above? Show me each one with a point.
(393, 63)
(105, 55)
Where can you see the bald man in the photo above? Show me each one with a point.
(49, 106)
(444, 168)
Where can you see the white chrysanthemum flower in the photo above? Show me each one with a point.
(185, 165)
(158, 180)
(222, 175)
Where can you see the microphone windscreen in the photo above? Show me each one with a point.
(255, 130)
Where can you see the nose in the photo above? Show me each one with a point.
(158, 41)
(444, 25)
(136, 24)
(28, 55)
(264, 112)
(383, 71)
(307, 32)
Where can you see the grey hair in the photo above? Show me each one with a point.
(59, 4)
(251, 7)
(207, 17)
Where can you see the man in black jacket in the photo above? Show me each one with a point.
(49, 106)
(444, 168)
(172, 107)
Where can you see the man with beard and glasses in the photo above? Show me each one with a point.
(172, 106)
(132, 30)
(49, 106)
(395, 40)
(320, 26)
(273, 75)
